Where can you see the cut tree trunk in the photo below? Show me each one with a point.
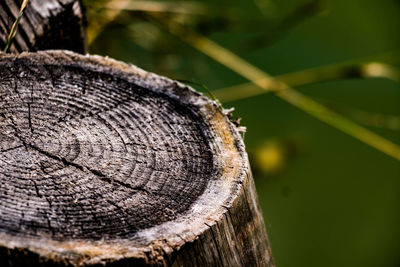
(45, 24)
(104, 163)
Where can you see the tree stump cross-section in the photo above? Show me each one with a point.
(104, 163)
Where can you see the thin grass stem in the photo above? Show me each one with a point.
(185, 7)
(14, 27)
(113, 9)
(108, 16)
(371, 119)
(310, 76)
(12, 32)
(208, 91)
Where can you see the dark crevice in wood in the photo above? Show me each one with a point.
(29, 118)
(82, 168)
(11, 148)
(37, 189)
(233, 233)
(217, 246)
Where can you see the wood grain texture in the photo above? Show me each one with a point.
(104, 163)
(45, 24)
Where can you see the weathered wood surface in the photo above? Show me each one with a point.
(104, 163)
(45, 24)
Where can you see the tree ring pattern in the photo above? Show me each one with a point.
(90, 155)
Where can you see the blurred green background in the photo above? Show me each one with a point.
(328, 199)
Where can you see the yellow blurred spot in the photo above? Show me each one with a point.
(376, 69)
(270, 158)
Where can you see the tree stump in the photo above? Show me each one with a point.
(45, 24)
(102, 163)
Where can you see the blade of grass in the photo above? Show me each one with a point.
(108, 15)
(14, 27)
(283, 90)
(323, 74)
(185, 7)
(377, 120)
(209, 92)
(367, 118)
(113, 9)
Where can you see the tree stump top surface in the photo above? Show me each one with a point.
(100, 159)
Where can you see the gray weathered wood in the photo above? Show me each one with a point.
(104, 163)
(45, 24)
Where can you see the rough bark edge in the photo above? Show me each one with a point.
(236, 240)
(158, 245)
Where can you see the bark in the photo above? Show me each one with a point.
(104, 163)
(45, 24)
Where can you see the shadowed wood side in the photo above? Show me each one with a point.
(45, 24)
(104, 163)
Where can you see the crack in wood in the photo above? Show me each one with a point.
(10, 149)
(97, 173)
(29, 118)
